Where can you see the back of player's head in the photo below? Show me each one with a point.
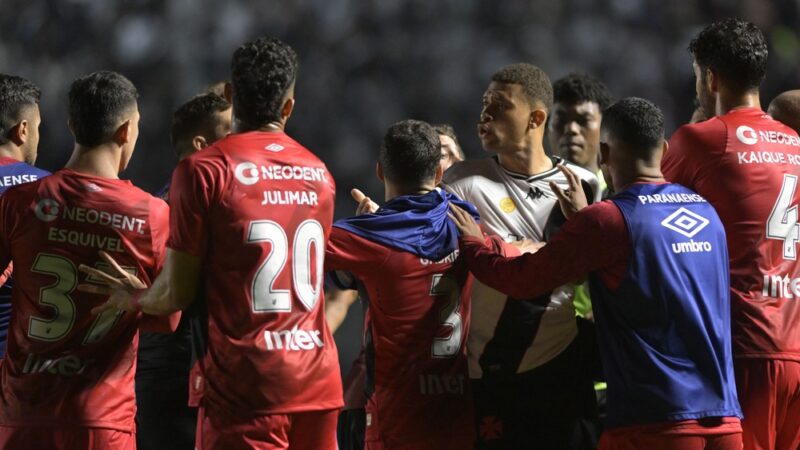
(786, 108)
(98, 104)
(195, 117)
(410, 152)
(262, 72)
(578, 88)
(636, 124)
(533, 80)
(735, 50)
(443, 129)
(16, 95)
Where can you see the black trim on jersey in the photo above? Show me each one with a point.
(529, 178)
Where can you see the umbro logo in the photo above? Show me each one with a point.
(685, 222)
(274, 147)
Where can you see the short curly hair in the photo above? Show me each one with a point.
(16, 94)
(637, 123)
(410, 152)
(261, 72)
(580, 87)
(533, 80)
(735, 50)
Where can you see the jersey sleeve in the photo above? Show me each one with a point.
(195, 184)
(347, 252)
(593, 239)
(8, 215)
(691, 149)
(159, 219)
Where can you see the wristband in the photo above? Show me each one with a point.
(137, 294)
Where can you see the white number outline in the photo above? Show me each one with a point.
(265, 298)
(449, 315)
(782, 223)
(57, 296)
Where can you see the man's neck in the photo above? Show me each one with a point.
(271, 127)
(10, 150)
(527, 161)
(728, 102)
(397, 191)
(101, 161)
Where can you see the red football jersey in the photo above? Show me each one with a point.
(747, 165)
(66, 366)
(257, 208)
(416, 324)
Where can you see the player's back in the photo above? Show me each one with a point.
(66, 366)
(747, 165)
(416, 329)
(259, 212)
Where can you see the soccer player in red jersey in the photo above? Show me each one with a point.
(748, 165)
(166, 416)
(68, 376)
(250, 216)
(406, 255)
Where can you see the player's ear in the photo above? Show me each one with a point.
(288, 107)
(379, 171)
(123, 133)
(604, 153)
(71, 127)
(18, 134)
(228, 92)
(199, 143)
(537, 118)
(712, 81)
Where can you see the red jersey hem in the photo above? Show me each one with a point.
(49, 423)
(267, 412)
(773, 356)
(727, 425)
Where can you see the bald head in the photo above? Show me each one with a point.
(786, 108)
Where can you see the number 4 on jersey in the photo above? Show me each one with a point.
(782, 223)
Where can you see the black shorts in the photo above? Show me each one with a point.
(350, 429)
(551, 407)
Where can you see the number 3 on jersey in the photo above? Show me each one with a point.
(449, 316)
(782, 223)
(309, 237)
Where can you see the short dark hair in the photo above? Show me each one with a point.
(581, 87)
(261, 72)
(735, 50)
(443, 129)
(16, 94)
(97, 104)
(533, 80)
(637, 123)
(195, 116)
(411, 152)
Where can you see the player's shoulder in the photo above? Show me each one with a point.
(708, 133)
(471, 171)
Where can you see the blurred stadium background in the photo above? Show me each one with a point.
(368, 63)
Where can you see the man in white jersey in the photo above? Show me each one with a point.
(531, 390)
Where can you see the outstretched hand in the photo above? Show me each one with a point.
(120, 285)
(573, 198)
(464, 222)
(365, 204)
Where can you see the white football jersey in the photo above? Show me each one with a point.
(513, 336)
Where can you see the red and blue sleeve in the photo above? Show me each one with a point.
(596, 239)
